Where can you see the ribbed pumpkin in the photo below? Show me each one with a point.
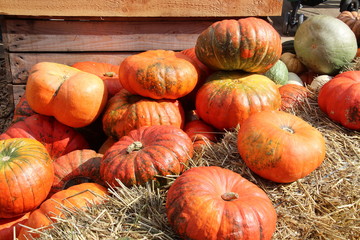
(229, 97)
(280, 146)
(75, 98)
(324, 44)
(339, 98)
(200, 133)
(214, 203)
(76, 197)
(76, 167)
(26, 175)
(10, 227)
(278, 73)
(158, 74)
(352, 19)
(109, 73)
(22, 110)
(57, 138)
(249, 44)
(292, 95)
(145, 153)
(125, 112)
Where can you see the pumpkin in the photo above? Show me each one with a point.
(109, 73)
(146, 153)
(200, 133)
(76, 167)
(125, 112)
(352, 19)
(75, 98)
(294, 79)
(278, 73)
(307, 77)
(339, 98)
(324, 44)
(22, 110)
(10, 227)
(318, 82)
(158, 74)
(249, 44)
(215, 203)
(229, 97)
(26, 175)
(279, 146)
(292, 63)
(188, 101)
(292, 95)
(78, 196)
(57, 138)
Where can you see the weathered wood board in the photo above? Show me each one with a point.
(142, 8)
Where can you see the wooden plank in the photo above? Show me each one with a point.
(64, 36)
(22, 62)
(141, 8)
(18, 91)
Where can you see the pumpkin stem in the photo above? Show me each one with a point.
(109, 74)
(288, 129)
(230, 196)
(5, 158)
(135, 146)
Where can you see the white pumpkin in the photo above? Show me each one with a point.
(319, 81)
(294, 79)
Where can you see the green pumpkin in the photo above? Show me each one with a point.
(278, 73)
(325, 44)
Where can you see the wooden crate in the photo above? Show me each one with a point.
(106, 31)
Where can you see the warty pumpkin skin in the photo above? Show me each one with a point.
(76, 167)
(158, 74)
(78, 196)
(125, 112)
(75, 98)
(26, 175)
(145, 153)
(109, 73)
(279, 146)
(339, 98)
(249, 44)
(229, 97)
(57, 138)
(214, 203)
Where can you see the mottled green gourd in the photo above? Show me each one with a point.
(278, 73)
(325, 44)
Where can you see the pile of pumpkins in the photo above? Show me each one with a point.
(156, 108)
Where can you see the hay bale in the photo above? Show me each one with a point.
(323, 205)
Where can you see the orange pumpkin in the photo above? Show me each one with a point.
(78, 196)
(75, 98)
(109, 73)
(158, 74)
(200, 133)
(10, 227)
(280, 146)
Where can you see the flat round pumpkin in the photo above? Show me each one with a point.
(280, 146)
(215, 203)
(158, 74)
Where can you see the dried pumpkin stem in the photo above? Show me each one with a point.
(230, 196)
(135, 146)
(109, 74)
(288, 129)
(5, 158)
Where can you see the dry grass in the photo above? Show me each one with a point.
(323, 205)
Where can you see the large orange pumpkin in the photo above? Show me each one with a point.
(145, 153)
(280, 146)
(229, 97)
(158, 74)
(26, 175)
(215, 203)
(75, 98)
(57, 138)
(339, 98)
(109, 73)
(76, 197)
(125, 112)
